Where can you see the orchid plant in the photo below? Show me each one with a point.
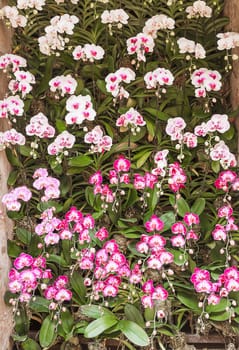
(124, 179)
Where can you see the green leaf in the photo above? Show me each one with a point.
(215, 164)
(179, 257)
(30, 344)
(156, 113)
(221, 306)
(50, 204)
(78, 286)
(13, 158)
(39, 304)
(47, 333)
(13, 249)
(67, 321)
(182, 206)
(80, 161)
(134, 332)
(168, 219)
(198, 206)
(190, 301)
(23, 235)
(133, 314)
(95, 311)
(97, 327)
(21, 322)
(12, 178)
(143, 158)
(220, 316)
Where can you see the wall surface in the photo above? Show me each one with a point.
(6, 322)
(231, 10)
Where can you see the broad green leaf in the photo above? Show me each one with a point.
(133, 314)
(39, 304)
(140, 162)
(13, 158)
(78, 286)
(30, 344)
(223, 316)
(13, 249)
(98, 326)
(156, 113)
(182, 206)
(80, 161)
(134, 332)
(221, 306)
(67, 321)
(95, 311)
(12, 178)
(48, 332)
(168, 219)
(21, 322)
(198, 206)
(180, 257)
(190, 301)
(23, 235)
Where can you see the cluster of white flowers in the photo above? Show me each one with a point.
(89, 52)
(12, 105)
(53, 40)
(64, 84)
(131, 119)
(206, 80)
(199, 9)
(114, 81)
(22, 82)
(62, 141)
(11, 14)
(117, 17)
(99, 142)
(227, 41)
(189, 46)
(31, 4)
(158, 22)
(40, 127)
(140, 44)
(157, 78)
(11, 62)
(80, 108)
(11, 137)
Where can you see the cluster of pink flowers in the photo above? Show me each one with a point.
(58, 292)
(99, 142)
(221, 232)
(62, 141)
(227, 282)
(131, 119)
(217, 122)
(11, 199)
(54, 40)
(22, 82)
(140, 44)
(27, 275)
(175, 127)
(205, 80)
(183, 231)
(80, 108)
(158, 78)
(11, 14)
(109, 266)
(64, 84)
(199, 9)
(49, 184)
(114, 81)
(47, 226)
(153, 295)
(11, 137)
(221, 152)
(227, 180)
(116, 17)
(89, 52)
(158, 22)
(189, 46)
(154, 245)
(11, 62)
(227, 41)
(40, 127)
(12, 105)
